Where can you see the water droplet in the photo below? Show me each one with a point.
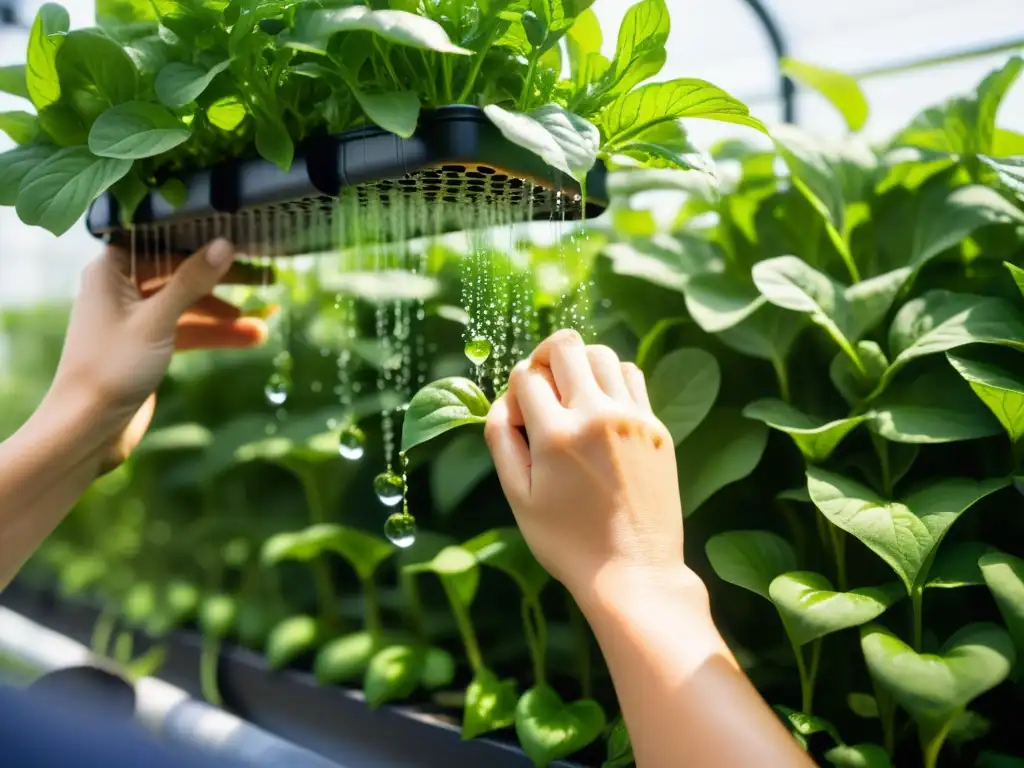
(277, 388)
(352, 443)
(400, 528)
(478, 350)
(389, 488)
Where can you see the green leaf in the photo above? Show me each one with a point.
(863, 705)
(57, 191)
(458, 469)
(344, 659)
(842, 91)
(858, 756)
(457, 569)
(438, 669)
(634, 112)
(291, 639)
(946, 217)
(179, 83)
(803, 724)
(870, 300)
(1004, 575)
(217, 615)
(45, 39)
(12, 81)
(682, 390)
(273, 141)
(22, 127)
(933, 687)
(174, 192)
(393, 673)
(956, 565)
(490, 705)
(724, 449)
(810, 608)
(90, 62)
(815, 438)
(942, 320)
(1001, 390)
(583, 40)
(443, 406)
(1017, 273)
(556, 17)
(853, 385)
(314, 29)
(934, 406)
(640, 49)
(768, 334)
(750, 559)
(135, 130)
(63, 125)
(906, 534)
(561, 139)
(507, 550)
(1010, 171)
(397, 112)
(718, 302)
(549, 729)
(363, 551)
(620, 746)
(226, 113)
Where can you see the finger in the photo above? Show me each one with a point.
(241, 334)
(608, 372)
(637, 386)
(532, 389)
(210, 306)
(566, 355)
(151, 274)
(508, 449)
(194, 279)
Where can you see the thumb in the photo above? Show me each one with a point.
(509, 450)
(197, 276)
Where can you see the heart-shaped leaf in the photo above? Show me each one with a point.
(683, 388)
(549, 729)
(956, 565)
(397, 112)
(290, 639)
(858, 756)
(217, 615)
(363, 551)
(136, 130)
(907, 533)
(724, 449)
(393, 673)
(810, 608)
(443, 406)
(490, 704)
(507, 550)
(561, 139)
(345, 659)
(933, 687)
(1004, 575)
(750, 559)
(816, 438)
(999, 388)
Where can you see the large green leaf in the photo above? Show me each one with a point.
(946, 217)
(933, 406)
(397, 111)
(811, 608)
(768, 334)
(942, 320)
(490, 704)
(633, 113)
(291, 639)
(48, 33)
(934, 687)
(561, 139)
(549, 729)
(345, 659)
(442, 406)
(750, 559)
(816, 438)
(393, 673)
(906, 534)
(1004, 575)
(718, 302)
(180, 83)
(57, 191)
(870, 300)
(135, 130)
(363, 551)
(724, 449)
(956, 565)
(21, 126)
(640, 49)
(998, 387)
(458, 469)
(683, 388)
(12, 81)
(314, 28)
(841, 90)
(91, 62)
(1010, 171)
(506, 550)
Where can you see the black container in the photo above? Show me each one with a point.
(333, 722)
(456, 154)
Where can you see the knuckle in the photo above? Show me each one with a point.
(602, 352)
(567, 336)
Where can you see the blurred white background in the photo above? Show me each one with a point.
(721, 41)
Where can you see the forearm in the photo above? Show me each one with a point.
(44, 468)
(684, 699)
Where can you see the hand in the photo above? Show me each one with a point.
(593, 484)
(123, 332)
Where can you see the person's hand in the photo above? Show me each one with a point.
(593, 483)
(123, 332)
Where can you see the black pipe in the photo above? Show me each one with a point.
(787, 91)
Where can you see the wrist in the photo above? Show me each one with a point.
(619, 590)
(75, 421)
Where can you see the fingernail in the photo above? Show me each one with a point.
(219, 253)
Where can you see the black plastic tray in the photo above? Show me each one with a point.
(456, 153)
(331, 721)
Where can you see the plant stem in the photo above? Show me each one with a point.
(536, 628)
(371, 608)
(806, 683)
(838, 537)
(917, 603)
(882, 449)
(326, 595)
(528, 83)
(208, 659)
(582, 636)
(932, 741)
(429, 80)
(478, 62)
(414, 606)
(465, 625)
(446, 69)
(782, 375)
(103, 630)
